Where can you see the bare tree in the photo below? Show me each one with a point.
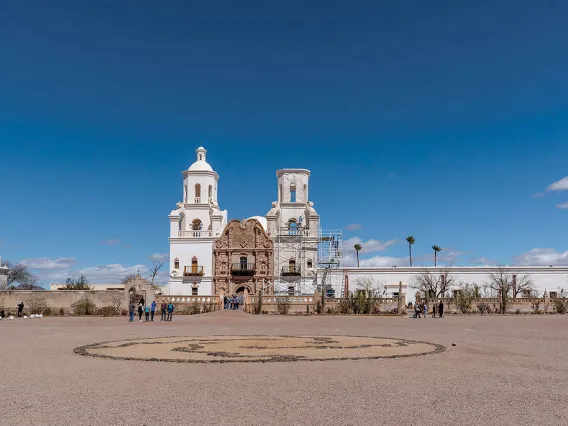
(501, 281)
(128, 278)
(433, 284)
(156, 266)
(522, 284)
(19, 273)
(368, 284)
(82, 283)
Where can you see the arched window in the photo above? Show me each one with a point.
(194, 265)
(293, 193)
(292, 227)
(310, 264)
(176, 263)
(197, 193)
(243, 262)
(185, 193)
(196, 225)
(210, 193)
(292, 264)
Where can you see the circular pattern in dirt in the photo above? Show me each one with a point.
(217, 349)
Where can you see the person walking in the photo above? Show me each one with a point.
(164, 308)
(140, 312)
(434, 310)
(441, 309)
(131, 311)
(152, 310)
(425, 310)
(170, 311)
(147, 312)
(416, 311)
(20, 309)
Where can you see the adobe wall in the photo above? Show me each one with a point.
(60, 298)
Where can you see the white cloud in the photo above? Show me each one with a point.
(369, 246)
(560, 185)
(45, 263)
(354, 227)
(563, 205)
(111, 242)
(160, 257)
(542, 257)
(112, 273)
(376, 261)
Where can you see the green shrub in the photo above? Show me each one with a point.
(560, 306)
(84, 307)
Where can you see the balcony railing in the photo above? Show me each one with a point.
(294, 231)
(289, 271)
(242, 269)
(197, 200)
(195, 234)
(193, 271)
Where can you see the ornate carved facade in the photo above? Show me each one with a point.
(243, 259)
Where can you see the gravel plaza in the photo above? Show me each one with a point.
(505, 370)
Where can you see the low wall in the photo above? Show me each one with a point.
(514, 305)
(183, 303)
(305, 304)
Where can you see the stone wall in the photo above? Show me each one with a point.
(59, 299)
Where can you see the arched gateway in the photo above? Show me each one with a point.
(136, 289)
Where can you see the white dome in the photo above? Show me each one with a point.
(262, 221)
(200, 166)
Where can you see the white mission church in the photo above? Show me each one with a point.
(286, 251)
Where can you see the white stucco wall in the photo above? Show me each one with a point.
(545, 278)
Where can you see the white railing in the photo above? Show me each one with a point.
(197, 200)
(195, 234)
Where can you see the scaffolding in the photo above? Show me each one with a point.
(306, 261)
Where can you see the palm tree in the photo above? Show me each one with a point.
(410, 241)
(357, 248)
(436, 250)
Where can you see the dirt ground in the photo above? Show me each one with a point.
(510, 370)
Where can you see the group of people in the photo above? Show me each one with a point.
(232, 302)
(150, 310)
(423, 308)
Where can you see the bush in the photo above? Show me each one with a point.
(483, 308)
(344, 306)
(282, 306)
(193, 309)
(46, 312)
(84, 307)
(61, 311)
(560, 306)
(518, 312)
(107, 311)
(36, 305)
(318, 307)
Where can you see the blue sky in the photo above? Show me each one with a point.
(442, 120)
